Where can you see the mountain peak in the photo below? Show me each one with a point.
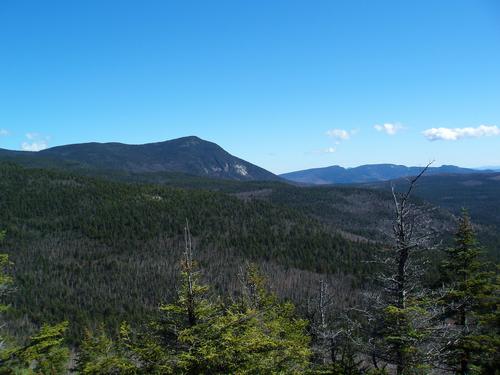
(190, 155)
(187, 139)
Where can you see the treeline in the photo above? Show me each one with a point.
(451, 328)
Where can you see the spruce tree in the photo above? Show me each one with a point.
(470, 301)
(253, 335)
(187, 327)
(269, 334)
(100, 355)
(44, 354)
(199, 334)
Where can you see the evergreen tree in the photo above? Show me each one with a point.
(471, 303)
(254, 335)
(100, 355)
(269, 334)
(199, 334)
(187, 327)
(45, 353)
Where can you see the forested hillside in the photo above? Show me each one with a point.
(101, 255)
(85, 248)
(477, 192)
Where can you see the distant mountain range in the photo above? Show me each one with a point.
(495, 168)
(195, 156)
(190, 155)
(368, 173)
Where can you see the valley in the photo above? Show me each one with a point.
(102, 243)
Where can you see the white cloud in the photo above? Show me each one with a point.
(453, 134)
(340, 134)
(34, 146)
(329, 150)
(4, 132)
(36, 142)
(388, 128)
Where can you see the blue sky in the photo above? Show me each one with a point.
(284, 84)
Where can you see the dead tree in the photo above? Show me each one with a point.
(335, 334)
(400, 310)
(324, 335)
(189, 270)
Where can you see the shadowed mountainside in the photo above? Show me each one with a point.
(190, 155)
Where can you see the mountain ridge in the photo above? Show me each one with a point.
(368, 173)
(191, 155)
(476, 192)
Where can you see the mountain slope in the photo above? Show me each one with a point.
(479, 193)
(91, 250)
(190, 155)
(367, 173)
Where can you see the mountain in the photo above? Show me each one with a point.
(495, 168)
(190, 155)
(479, 193)
(367, 173)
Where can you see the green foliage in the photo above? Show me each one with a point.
(100, 355)
(471, 304)
(44, 354)
(200, 335)
(269, 334)
(252, 336)
(404, 334)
